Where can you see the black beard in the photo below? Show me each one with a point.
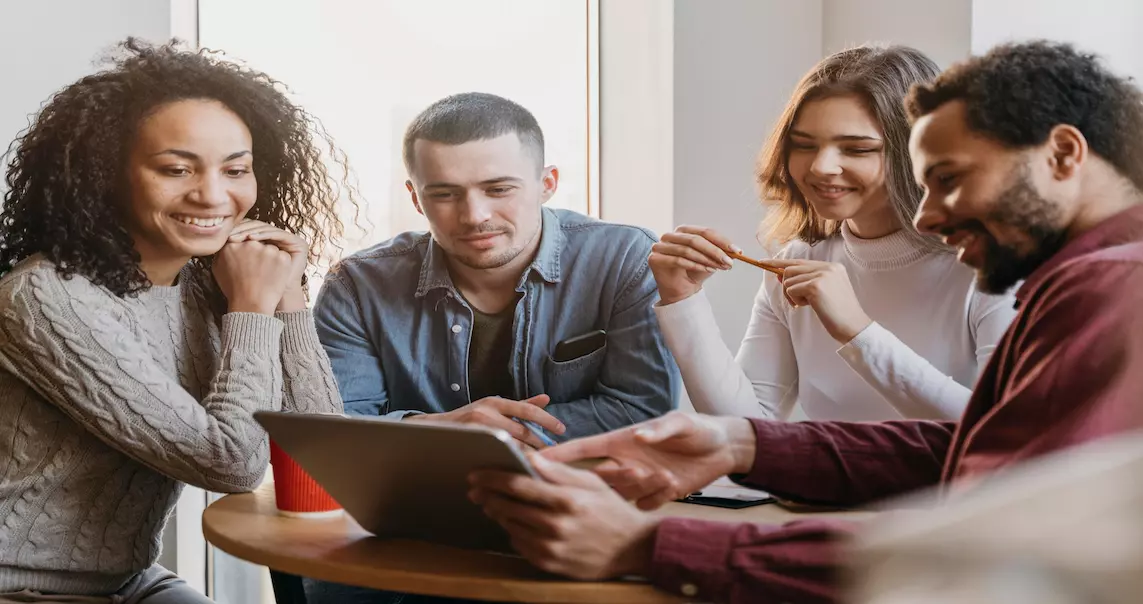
(1022, 208)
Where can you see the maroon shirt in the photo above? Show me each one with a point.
(1069, 370)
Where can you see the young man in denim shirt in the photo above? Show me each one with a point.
(465, 323)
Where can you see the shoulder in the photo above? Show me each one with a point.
(580, 229)
(38, 278)
(1096, 293)
(393, 259)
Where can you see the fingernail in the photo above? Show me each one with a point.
(561, 428)
(735, 249)
(726, 260)
(643, 432)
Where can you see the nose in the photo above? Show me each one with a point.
(827, 162)
(210, 191)
(477, 209)
(930, 216)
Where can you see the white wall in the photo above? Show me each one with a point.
(941, 29)
(636, 124)
(41, 59)
(736, 62)
(1112, 28)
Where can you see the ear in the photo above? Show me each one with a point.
(550, 180)
(1068, 149)
(413, 195)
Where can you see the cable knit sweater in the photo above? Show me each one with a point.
(109, 405)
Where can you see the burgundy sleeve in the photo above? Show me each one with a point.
(845, 463)
(720, 562)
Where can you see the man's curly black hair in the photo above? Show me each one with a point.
(1016, 93)
(66, 181)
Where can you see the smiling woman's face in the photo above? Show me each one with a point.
(837, 158)
(191, 180)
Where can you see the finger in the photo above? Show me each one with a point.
(246, 226)
(540, 400)
(658, 499)
(696, 243)
(664, 428)
(511, 511)
(530, 412)
(284, 240)
(592, 446)
(711, 235)
(563, 474)
(667, 260)
(518, 431)
(791, 262)
(522, 487)
(791, 280)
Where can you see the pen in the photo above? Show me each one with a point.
(538, 431)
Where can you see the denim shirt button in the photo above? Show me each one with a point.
(456, 328)
(455, 387)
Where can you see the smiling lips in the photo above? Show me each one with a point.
(204, 222)
(831, 192)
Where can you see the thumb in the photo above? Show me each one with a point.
(662, 429)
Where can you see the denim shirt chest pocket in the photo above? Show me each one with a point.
(574, 379)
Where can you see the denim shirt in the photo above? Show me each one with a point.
(397, 330)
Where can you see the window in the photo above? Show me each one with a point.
(366, 68)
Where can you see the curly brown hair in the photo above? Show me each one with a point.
(66, 182)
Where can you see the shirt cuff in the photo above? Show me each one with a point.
(299, 334)
(691, 558)
(778, 446)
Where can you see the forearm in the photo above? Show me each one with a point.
(846, 464)
(908, 381)
(722, 562)
(712, 376)
(309, 384)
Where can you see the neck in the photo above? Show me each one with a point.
(877, 224)
(1108, 195)
(162, 271)
(491, 290)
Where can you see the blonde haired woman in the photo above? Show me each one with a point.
(895, 327)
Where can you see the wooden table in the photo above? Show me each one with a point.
(248, 526)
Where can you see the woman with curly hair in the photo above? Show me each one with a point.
(895, 328)
(153, 246)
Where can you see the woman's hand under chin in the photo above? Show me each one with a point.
(262, 267)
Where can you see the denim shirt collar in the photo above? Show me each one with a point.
(546, 264)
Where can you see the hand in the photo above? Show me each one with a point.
(572, 524)
(496, 412)
(294, 297)
(682, 260)
(825, 287)
(253, 276)
(667, 458)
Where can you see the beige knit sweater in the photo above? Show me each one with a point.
(109, 405)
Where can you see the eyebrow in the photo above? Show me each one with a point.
(194, 157)
(490, 181)
(843, 137)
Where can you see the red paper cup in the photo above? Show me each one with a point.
(295, 493)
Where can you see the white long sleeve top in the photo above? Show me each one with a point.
(932, 333)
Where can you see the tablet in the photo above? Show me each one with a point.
(401, 479)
